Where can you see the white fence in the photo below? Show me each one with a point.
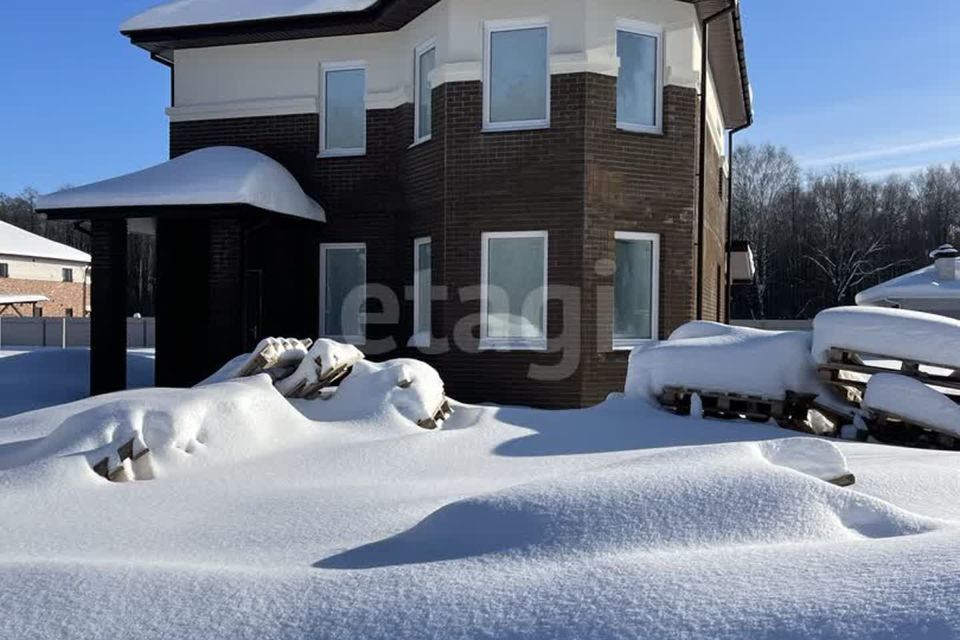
(68, 332)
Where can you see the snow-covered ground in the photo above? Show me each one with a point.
(37, 377)
(329, 519)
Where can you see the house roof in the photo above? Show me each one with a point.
(15, 241)
(922, 284)
(211, 176)
(176, 24)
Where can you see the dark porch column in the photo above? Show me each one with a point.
(108, 327)
(225, 281)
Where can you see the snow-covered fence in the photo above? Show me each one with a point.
(68, 332)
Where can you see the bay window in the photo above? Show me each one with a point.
(343, 283)
(640, 80)
(516, 79)
(343, 123)
(636, 289)
(514, 290)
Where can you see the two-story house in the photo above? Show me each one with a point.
(516, 191)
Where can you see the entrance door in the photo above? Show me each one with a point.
(253, 303)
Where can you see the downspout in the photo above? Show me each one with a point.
(728, 295)
(701, 177)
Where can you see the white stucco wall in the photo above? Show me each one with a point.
(280, 78)
(40, 269)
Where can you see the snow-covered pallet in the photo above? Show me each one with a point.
(442, 413)
(790, 412)
(850, 370)
(112, 467)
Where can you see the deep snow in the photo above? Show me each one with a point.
(619, 521)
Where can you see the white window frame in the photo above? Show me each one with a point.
(491, 27)
(418, 53)
(488, 343)
(326, 68)
(654, 31)
(420, 338)
(625, 344)
(324, 249)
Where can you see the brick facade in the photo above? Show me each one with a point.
(61, 295)
(581, 180)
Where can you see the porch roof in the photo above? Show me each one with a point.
(219, 176)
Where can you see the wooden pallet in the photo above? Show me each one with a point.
(126, 451)
(894, 430)
(844, 362)
(790, 412)
(442, 413)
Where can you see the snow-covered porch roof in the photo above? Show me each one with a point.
(215, 176)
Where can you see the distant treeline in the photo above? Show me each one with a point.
(820, 238)
(141, 262)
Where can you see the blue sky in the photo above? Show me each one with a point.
(874, 84)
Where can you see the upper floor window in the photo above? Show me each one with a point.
(513, 291)
(640, 82)
(4, 270)
(426, 62)
(516, 80)
(343, 123)
(68, 275)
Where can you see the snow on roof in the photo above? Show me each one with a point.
(211, 176)
(922, 284)
(21, 299)
(186, 13)
(15, 241)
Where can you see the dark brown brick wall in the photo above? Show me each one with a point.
(581, 180)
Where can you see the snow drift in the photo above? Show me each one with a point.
(713, 357)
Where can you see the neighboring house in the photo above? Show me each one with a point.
(536, 166)
(41, 277)
(933, 289)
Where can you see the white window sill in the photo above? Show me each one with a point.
(421, 141)
(630, 345)
(419, 341)
(342, 153)
(513, 344)
(639, 128)
(357, 341)
(532, 125)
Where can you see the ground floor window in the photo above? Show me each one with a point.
(422, 292)
(343, 284)
(514, 291)
(636, 292)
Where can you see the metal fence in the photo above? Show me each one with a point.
(775, 325)
(68, 332)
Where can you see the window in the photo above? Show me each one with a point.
(68, 312)
(343, 123)
(68, 275)
(4, 270)
(343, 283)
(640, 82)
(37, 311)
(516, 81)
(426, 62)
(422, 292)
(513, 294)
(636, 289)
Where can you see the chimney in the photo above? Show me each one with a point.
(947, 261)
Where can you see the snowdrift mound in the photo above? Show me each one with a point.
(408, 390)
(180, 428)
(913, 401)
(713, 357)
(895, 333)
(704, 497)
